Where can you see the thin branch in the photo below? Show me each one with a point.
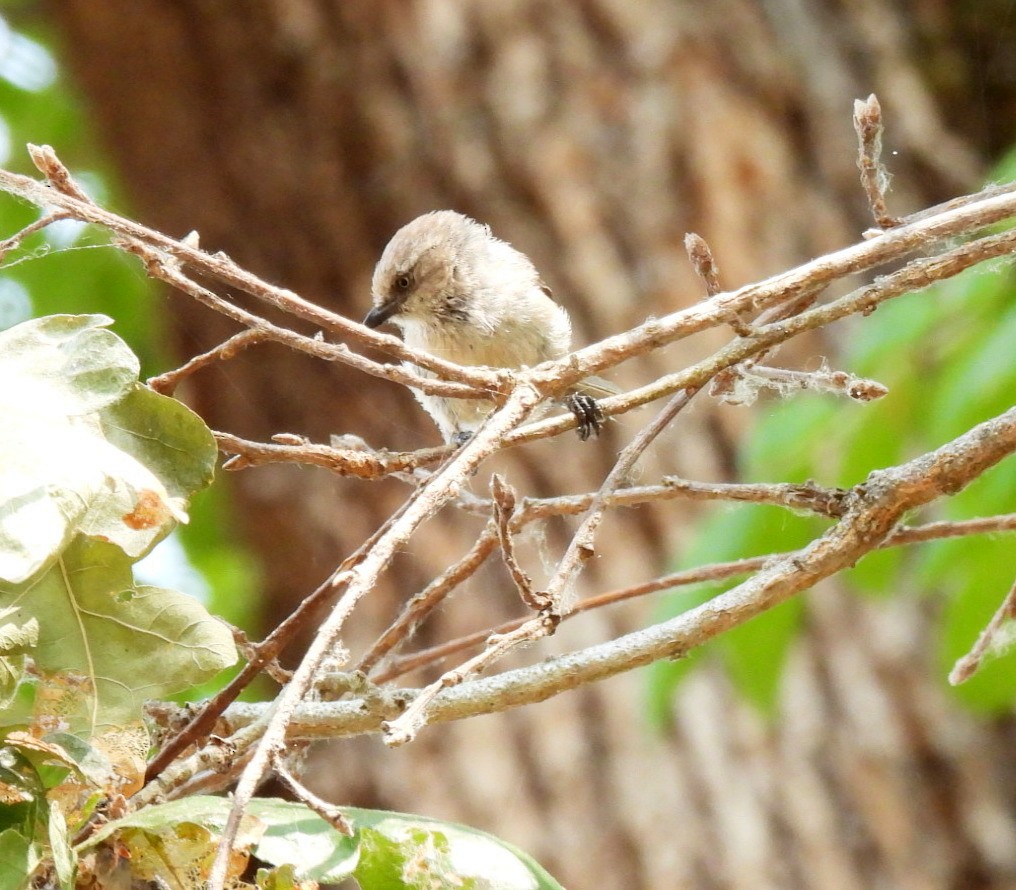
(581, 548)
(15, 240)
(555, 377)
(363, 464)
(860, 389)
(327, 811)
(795, 495)
(249, 652)
(720, 571)
(970, 663)
(867, 515)
(67, 197)
(276, 642)
(741, 384)
(715, 572)
(874, 178)
(156, 266)
(913, 277)
(869, 523)
(168, 382)
(421, 605)
(438, 490)
(405, 727)
(701, 256)
(504, 500)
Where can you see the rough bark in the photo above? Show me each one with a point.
(297, 136)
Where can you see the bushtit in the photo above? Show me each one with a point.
(463, 295)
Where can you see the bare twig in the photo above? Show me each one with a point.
(701, 256)
(15, 240)
(421, 605)
(162, 254)
(797, 496)
(327, 811)
(358, 580)
(741, 383)
(783, 307)
(555, 377)
(249, 651)
(715, 572)
(504, 499)
(721, 571)
(874, 508)
(874, 178)
(168, 382)
(915, 275)
(970, 663)
(342, 461)
(407, 724)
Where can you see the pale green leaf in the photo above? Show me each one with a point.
(85, 448)
(15, 641)
(64, 364)
(105, 646)
(18, 859)
(64, 858)
(281, 878)
(294, 835)
(401, 850)
(394, 850)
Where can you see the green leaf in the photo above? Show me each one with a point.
(18, 859)
(281, 878)
(294, 835)
(208, 812)
(77, 433)
(64, 858)
(24, 806)
(399, 850)
(395, 850)
(64, 364)
(164, 435)
(101, 638)
(16, 640)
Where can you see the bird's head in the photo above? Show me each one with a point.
(424, 272)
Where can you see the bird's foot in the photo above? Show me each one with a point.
(587, 412)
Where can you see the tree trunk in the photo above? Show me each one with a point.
(593, 135)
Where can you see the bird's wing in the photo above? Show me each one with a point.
(596, 387)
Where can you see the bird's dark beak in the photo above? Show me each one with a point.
(380, 314)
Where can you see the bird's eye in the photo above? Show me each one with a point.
(403, 282)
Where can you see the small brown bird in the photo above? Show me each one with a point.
(463, 295)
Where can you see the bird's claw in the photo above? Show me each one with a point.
(587, 412)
